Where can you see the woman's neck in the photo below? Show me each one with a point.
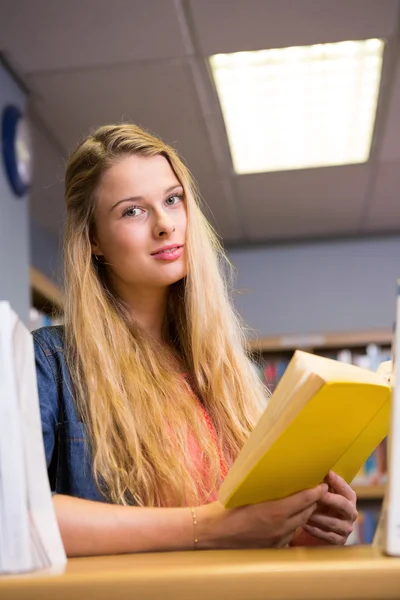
(148, 311)
(147, 306)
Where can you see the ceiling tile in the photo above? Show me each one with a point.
(52, 35)
(234, 25)
(301, 204)
(390, 148)
(157, 97)
(384, 211)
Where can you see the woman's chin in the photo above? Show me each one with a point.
(171, 278)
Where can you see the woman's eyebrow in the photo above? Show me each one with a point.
(139, 198)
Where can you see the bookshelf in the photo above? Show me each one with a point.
(369, 492)
(44, 292)
(46, 301)
(381, 337)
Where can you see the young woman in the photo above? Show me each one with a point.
(146, 393)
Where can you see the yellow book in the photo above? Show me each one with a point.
(323, 415)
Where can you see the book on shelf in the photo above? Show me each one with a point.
(30, 538)
(374, 470)
(38, 318)
(365, 526)
(323, 415)
(271, 369)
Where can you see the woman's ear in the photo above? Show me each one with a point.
(96, 249)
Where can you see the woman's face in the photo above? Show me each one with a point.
(141, 210)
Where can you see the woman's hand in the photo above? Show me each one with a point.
(332, 522)
(269, 524)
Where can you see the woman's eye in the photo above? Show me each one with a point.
(174, 199)
(132, 211)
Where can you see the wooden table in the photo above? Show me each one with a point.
(301, 573)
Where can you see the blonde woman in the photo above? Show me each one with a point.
(146, 393)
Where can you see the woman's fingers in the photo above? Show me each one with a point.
(299, 509)
(328, 536)
(285, 541)
(340, 486)
(333, 520)
(328, 523)
(299, 502)
(297, 521)
(339, 505)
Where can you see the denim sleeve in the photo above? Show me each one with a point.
(48, 399)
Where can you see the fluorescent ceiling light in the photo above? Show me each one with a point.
(300, 107)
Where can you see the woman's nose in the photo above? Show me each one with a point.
(164, 227)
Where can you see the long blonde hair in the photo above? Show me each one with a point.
(142, 416)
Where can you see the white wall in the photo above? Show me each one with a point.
(46, 254)
(47, 203)
(321, 287)
(14, 222)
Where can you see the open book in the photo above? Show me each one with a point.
(29, 534)
(323, 415)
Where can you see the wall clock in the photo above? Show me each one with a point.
(17, 149)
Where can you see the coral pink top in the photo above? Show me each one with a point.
(196, 452)
(222, 462)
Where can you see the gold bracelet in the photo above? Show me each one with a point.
(195, 540)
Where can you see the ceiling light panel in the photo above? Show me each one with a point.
(299, 107)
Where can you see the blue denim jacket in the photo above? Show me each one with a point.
(68, 457)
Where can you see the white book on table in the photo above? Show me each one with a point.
(391, 506)
(29, 534)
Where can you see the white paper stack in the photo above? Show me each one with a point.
(391, 507)
(29, 534)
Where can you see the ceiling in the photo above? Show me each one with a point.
(90, 62)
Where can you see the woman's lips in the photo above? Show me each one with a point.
(171, 254)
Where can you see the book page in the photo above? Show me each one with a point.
(286, 393)
(14, 533)
(391, 505)
(45, 535)
(384, 369)
(334, 370)
(294, 390)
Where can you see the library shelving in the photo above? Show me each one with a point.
(44, 291)
(317, 341)
(46, 300)
(366, 349)
(370, 492)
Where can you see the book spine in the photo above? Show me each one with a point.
(364, 528)
(39, 319)
(370, 522)
(392, 517)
